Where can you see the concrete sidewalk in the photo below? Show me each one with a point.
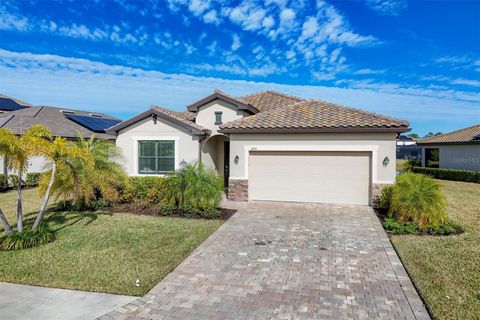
(37, 303)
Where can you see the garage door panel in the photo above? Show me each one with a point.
(330, 177)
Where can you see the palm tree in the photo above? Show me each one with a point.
(60, 152)
(18, 150)
(82, 182)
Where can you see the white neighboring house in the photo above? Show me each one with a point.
(455, 150)
(62, 122)
(269, 146)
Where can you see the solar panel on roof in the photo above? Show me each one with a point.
(94, 124)
(477, 137)
(10, 105)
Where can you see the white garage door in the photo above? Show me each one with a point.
(310, 176)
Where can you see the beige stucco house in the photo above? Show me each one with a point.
(455, 150)
(269, 146)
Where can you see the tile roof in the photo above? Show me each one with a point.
(51, 117)
(184, 117)
(268, 100)
(470, 135)
(314, 115)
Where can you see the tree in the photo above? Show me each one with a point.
(82, 181)
(60, 152)
(414, 136)
(19, 150)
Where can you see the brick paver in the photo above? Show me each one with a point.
(287, 261)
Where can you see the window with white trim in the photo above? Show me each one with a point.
(156, 156)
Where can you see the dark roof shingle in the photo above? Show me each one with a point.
(53, 118)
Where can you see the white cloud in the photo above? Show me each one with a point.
(9, 21)
(211, 17)
(368, 71)
(466, 82)
(287, 16)
(89, 85)
(387, 7)
(197, 7)
(248, 15)
(212, 48)
(236, 43)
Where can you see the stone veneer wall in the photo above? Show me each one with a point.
(376, 191)
(237, 190)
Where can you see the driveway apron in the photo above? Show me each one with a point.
(287, 261)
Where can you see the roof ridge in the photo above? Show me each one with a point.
(274, 92)
(450, 133)
(360, 111)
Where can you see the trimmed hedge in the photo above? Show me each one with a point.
(32, 179)
(144, 188)
(450, 174)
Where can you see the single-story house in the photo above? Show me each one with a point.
(455, 150)
(62, 122)
(269, 146)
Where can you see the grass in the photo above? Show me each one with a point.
(446, 270)
(101, 252)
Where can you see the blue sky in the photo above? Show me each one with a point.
(416, 60)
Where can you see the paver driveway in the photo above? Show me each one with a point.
(287, 261)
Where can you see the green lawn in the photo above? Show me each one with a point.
(446, 270)
(102, 252)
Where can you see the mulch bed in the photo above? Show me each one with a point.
(144, 209)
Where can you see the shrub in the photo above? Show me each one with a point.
(13, 181)
(395, 227)
(203, 187)
(386, 198)
(4, 183)
(450, 174)
(28, 238)
(33, 179)
(418, 198)
(410, 164)
(167, 209)
(141, 188)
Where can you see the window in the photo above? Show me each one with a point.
(218, 117)
(432, 157)
(156, 157)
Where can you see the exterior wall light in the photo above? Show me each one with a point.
(385, 161)
(236, 159)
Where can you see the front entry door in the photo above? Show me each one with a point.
(226, 163)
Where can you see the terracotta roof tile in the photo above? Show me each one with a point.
(268, 100)
(315, 114)
(467, 135)
(184, 117)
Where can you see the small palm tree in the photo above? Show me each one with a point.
(33, 142)
(418, 198)
(60, 153)
(84, 181)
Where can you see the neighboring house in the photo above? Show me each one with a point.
(8, 104)
(407, 148)
(455, 150)
(61, 122)
(269, 146)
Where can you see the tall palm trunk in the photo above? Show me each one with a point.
(5, 166)
(5, 224)
(43, 207)
(19, 202)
